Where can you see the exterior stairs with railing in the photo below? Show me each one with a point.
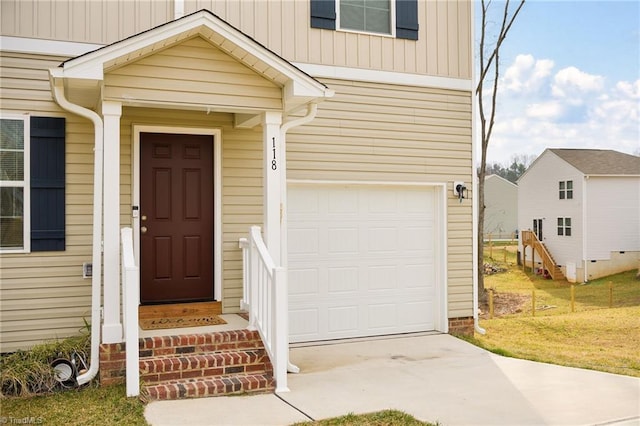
(204, 365)
(529, 238)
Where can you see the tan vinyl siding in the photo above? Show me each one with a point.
(391, 133)
(241, 182)
(43, 293)
(193, 72)
(101, 22)
(443, 47)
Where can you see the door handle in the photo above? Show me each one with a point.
(143, 229)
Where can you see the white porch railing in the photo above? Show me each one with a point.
(265, 298)
(131, 301)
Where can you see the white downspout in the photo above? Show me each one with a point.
(474, 180)
(312, 110)
(55, 79)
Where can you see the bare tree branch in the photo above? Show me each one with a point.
(486, 126)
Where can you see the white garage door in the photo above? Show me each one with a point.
(361, 261)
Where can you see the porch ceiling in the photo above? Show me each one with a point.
(83, 76)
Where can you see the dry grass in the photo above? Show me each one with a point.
(594, 336)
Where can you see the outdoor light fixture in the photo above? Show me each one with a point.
(459, 190)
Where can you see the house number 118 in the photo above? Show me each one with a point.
(274, 164)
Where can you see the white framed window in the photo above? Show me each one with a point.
(14, 183)
(565, 189)
(366, 16)
(564, 226)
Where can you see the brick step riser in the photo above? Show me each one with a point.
(200, 361)
(203, 366)
(200, 343)
(210, 387)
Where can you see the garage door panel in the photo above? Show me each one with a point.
(304, 322)
(341, 202)
(342, 280)
(307, 282)
(381, 317)
(382, 277)
(343, 320)
(342, 240)
(370, 267)
(306, 240)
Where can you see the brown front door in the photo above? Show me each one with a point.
(176, 217)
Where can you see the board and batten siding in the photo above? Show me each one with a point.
(43, 293)
(391, 133)
(193, 72)
(100, 22)
(443, 47)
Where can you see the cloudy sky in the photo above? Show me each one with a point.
(570, 78)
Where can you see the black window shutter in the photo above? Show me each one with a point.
(47, 184)
(323, 14)
(407, 19)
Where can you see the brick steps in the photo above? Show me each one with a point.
(200, 365)
(203, 387)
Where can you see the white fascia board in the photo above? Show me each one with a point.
(46, 47)
(91, 66)
(390, 77)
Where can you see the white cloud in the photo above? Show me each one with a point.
(571, 83)
(631, 90)
(550, 110)
(526, 74)
(568, 109)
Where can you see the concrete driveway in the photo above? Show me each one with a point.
(435, 378)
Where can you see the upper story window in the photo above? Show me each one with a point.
(14, 185)
(565, 189)
(371, 16)
(397, 18)
(564, 226)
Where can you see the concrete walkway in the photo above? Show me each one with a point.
(434, 378)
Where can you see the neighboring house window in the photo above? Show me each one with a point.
(32, 184)
(564, 226)
(372, 16)
(565, 189)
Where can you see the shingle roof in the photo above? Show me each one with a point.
(600, 161)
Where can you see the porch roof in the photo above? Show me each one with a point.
(84, 75)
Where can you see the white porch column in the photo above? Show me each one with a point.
(112, 324)
(273, 167)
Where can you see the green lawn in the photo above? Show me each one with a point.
(594, 336)
(88, 406)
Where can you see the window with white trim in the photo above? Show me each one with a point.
(396, 18)
(564, 226)
(32, 183)
(565, 189)
(14, 183)
(370, 16)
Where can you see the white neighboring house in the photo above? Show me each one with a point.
(584, 206)
(501, 208)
